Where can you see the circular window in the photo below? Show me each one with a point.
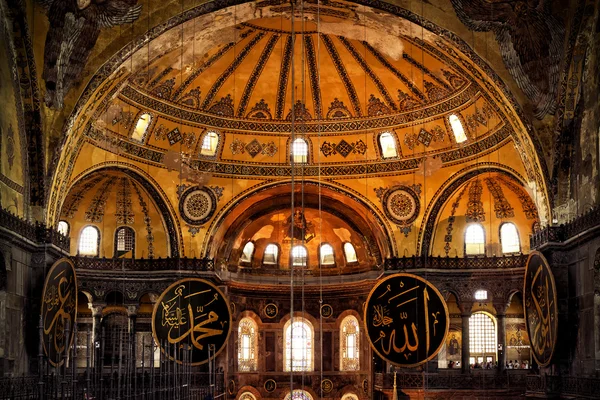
(401, 205)
(197, 205)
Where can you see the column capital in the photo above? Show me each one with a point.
(465, 308)
(96, 309)
(501, 307)
(132, 310)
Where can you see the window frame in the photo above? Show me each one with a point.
(253, 360)
(142, 140)
(332, 264)
(116, 241)
(276, 255)
(480, 291)
(493, 346)
(241, 260)
(451, 129)
(465, 240)
(380, 145)
(97, 241)
(219, 136)
(68, 227)
(291, 150)
(344, 344)
(288, 364)
(346, 254)
(501, 241)
(292, 265)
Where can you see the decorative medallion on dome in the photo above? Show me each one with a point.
(260, 110)
(223, 107)
(326, 311)
(406, 101)
(174, 136)
(376, 107)
(343, 148)
(300, 111)
(197, 205)
(327, 385)
(455, 81)
(337, 109)
(401, 205)
(192, 98)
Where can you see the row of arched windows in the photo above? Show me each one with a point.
(89, 239)
(299, 147)
(298, 352)
(297, 395)
(475, 239)
(299, 254)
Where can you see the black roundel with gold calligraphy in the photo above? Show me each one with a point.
(406, 320)
(59, 310)
(190, 316)
(541, 310)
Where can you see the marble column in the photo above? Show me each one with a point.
(132, 311)
(465, 311)
(501, 320)
(96, 309)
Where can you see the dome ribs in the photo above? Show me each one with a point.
(283, 77)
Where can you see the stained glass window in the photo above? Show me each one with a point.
(300, 151)
(509, 237)
(349, 342)
(350, 253)
(88, 241)
(388, 145)
(247, 252)
(298, 355)
(247, 345)
(482, 334)
(299, 395)
(210, 143)
(474, 240)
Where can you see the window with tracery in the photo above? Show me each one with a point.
(509, 237)
(299, 151)
(141, 127)
(326, 254)
(474, 240)
(298, 395)
(457, 128)
(298, 354)
(350, 253)
(271, 252)
(247, 345)
(388, 145)
(125, 240)
(88, 241)
(482, 334)
(247, 396)
(247, 252)
(210, 142)
(299, 256)
(349, 343)
(63, 228)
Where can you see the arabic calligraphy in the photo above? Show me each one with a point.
(191, 312)
(406, 320)
(59, 309)
(541, 310)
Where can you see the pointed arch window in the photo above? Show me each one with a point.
(247, 252)
(349, 343)
(326, 254)
(299, 256)
(474, 240)
(298, 395)
(387, 142)
(89, 241)
(141, 127)
(298, 354)
(210, 142)
(509, 237)
(271, 254)
(247, 345)
(299, 151)
(350, 253)
(124, 241)
(457, 128)
(63, 228)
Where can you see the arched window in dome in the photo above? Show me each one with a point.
(299, 151)
(298, 395)
(271, 254)
(349, 344)
(63, 228)
(349, 396)
(457, 128)
(210, 142)
(247, 345)
(326, 254)
(299, 256)
(89, 241)
(387, 143)
(247, 396)
(474, 240)
(482, 337)
(141, 127)
(124, 241)
(298, 354)
(247, 252)
(509, 237)
(350, 253)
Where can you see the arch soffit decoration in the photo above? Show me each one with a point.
(382, 231)
(156, 194)
(533, 158)
(449, 187)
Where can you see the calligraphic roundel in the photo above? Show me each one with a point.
(190, 317)
(406, 320)
(540, 307)
(59, 310)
